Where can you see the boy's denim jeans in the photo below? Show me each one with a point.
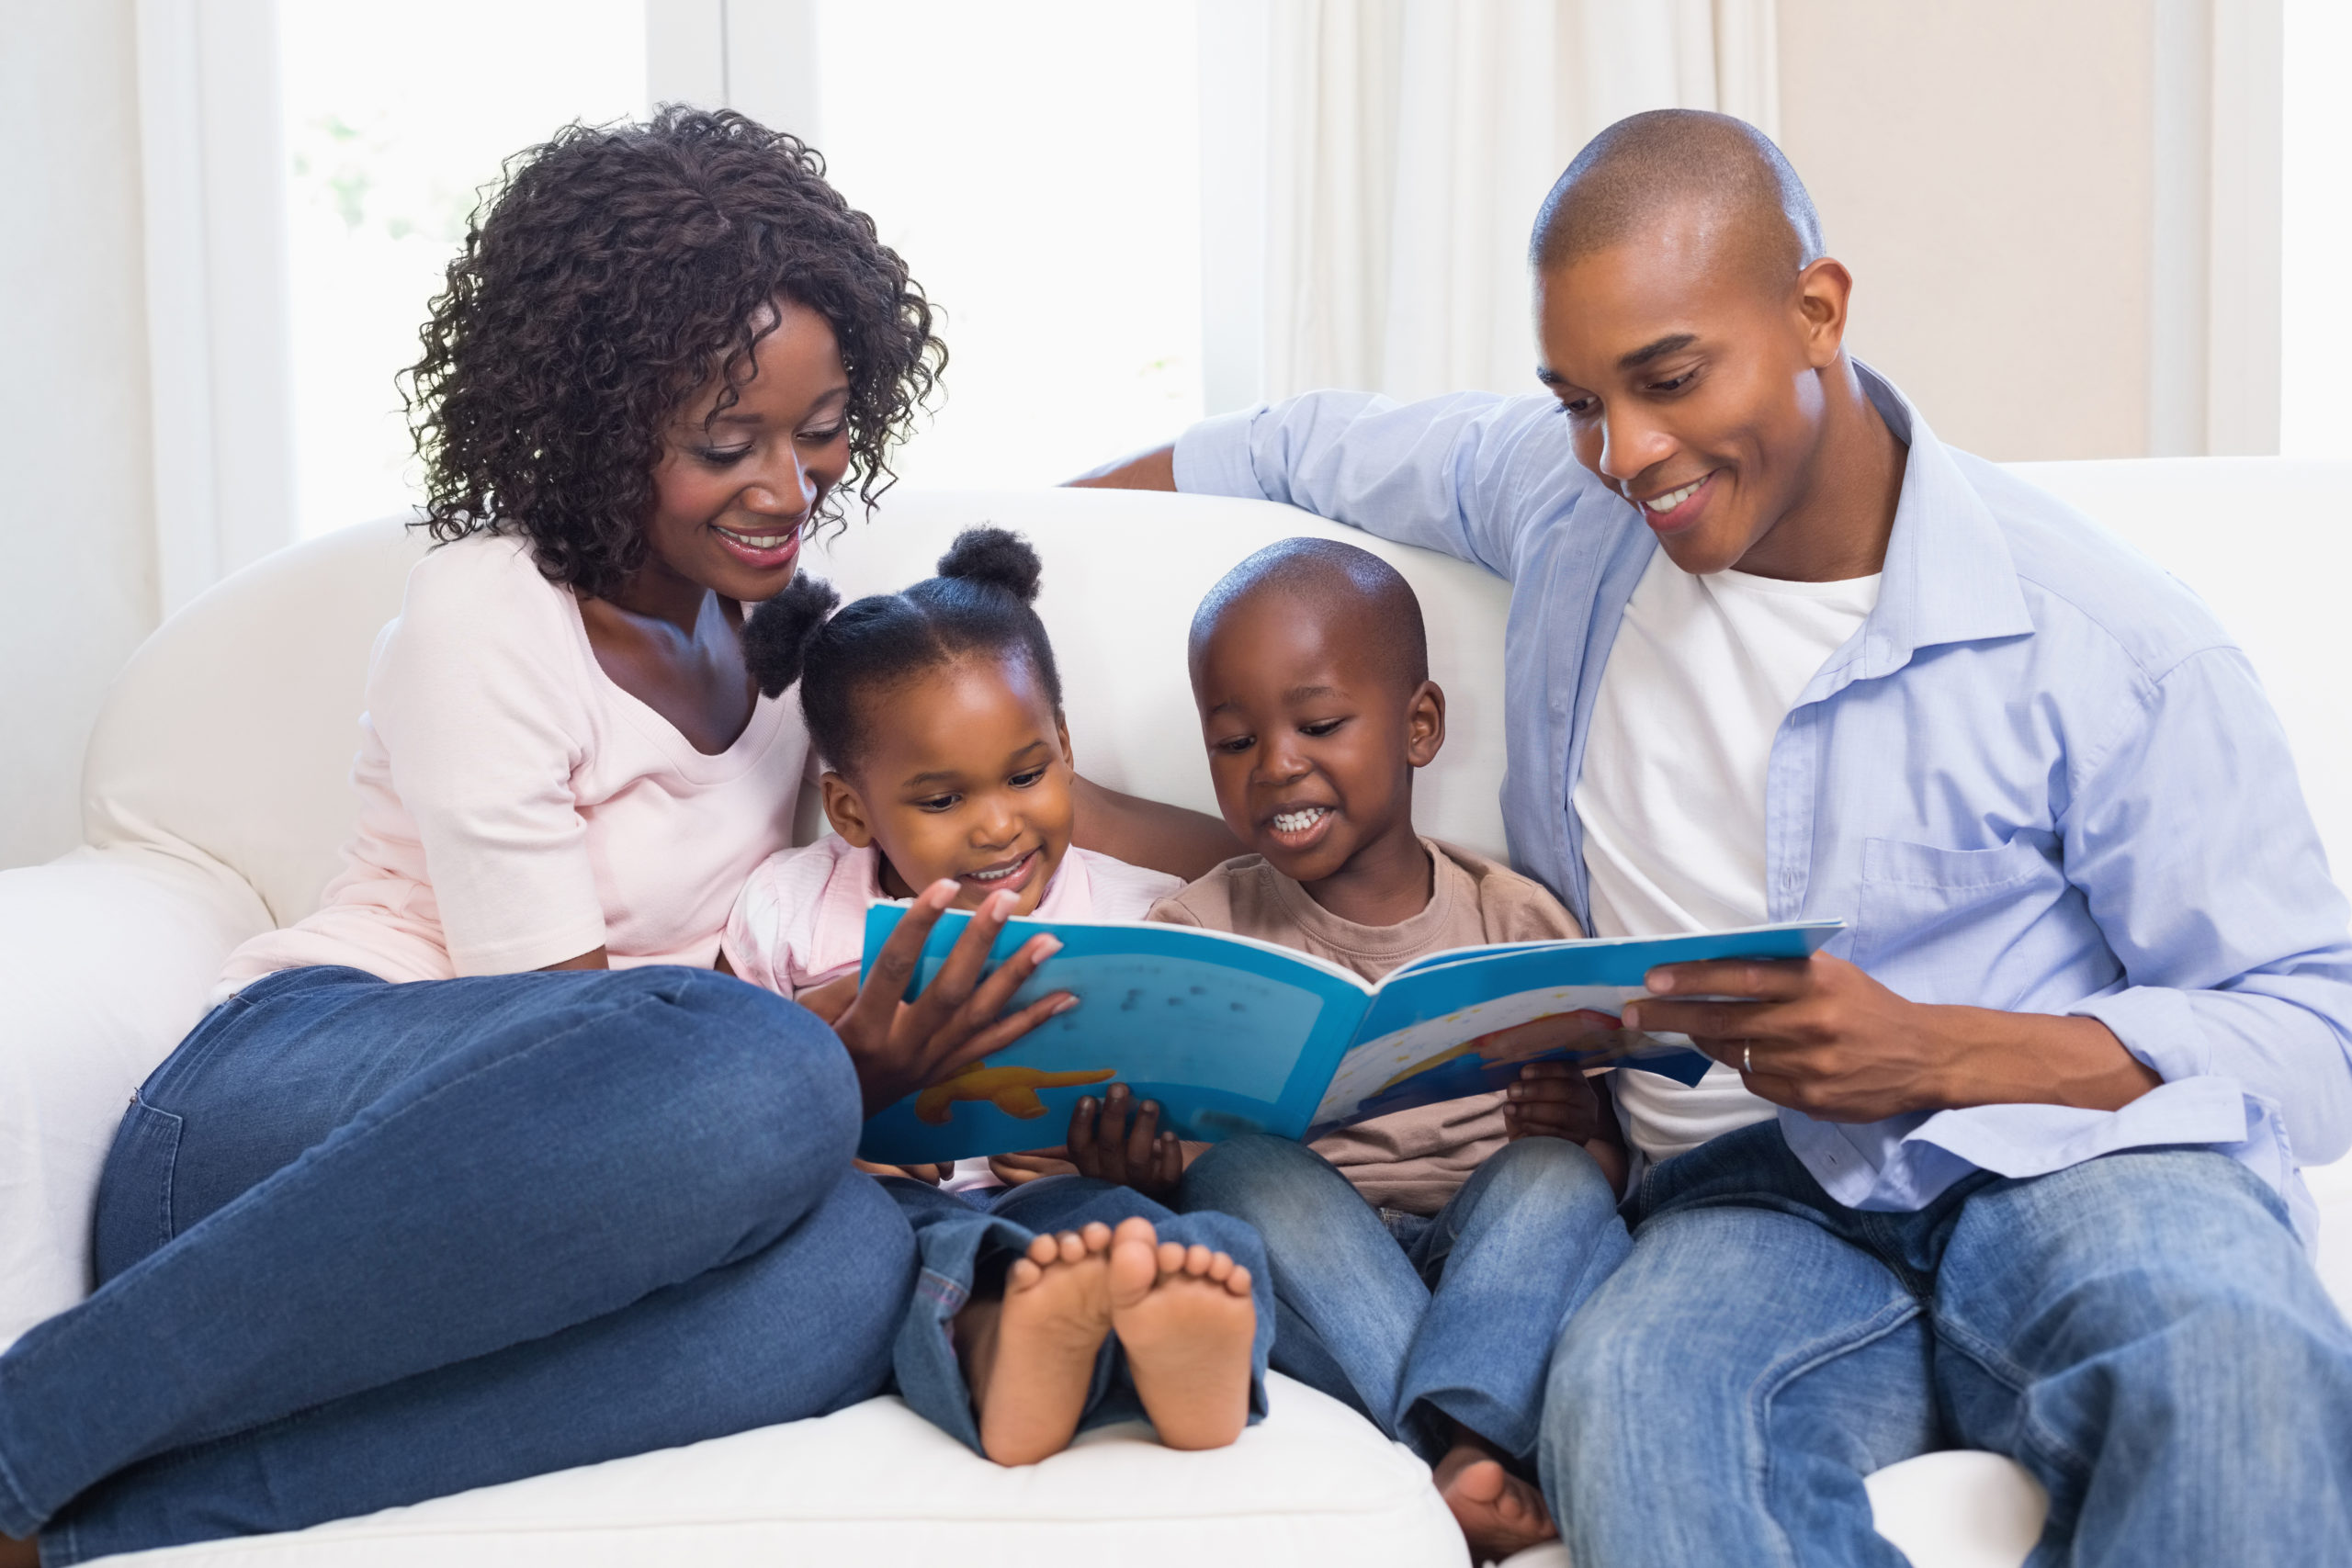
(1459, 1320)
(2141, 1332)
(960, 1242)
(362, 1244)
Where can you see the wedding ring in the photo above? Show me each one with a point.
(1747, 1055)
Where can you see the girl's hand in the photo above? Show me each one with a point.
(898, 1046)
(1015, 1169)
(1105, 1144)
(932, 1174)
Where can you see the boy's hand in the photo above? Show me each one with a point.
(1104, 1143)
(1554, 1099)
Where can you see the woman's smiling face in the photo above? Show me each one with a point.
(733, 493)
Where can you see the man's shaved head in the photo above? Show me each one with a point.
(1344, 586)
(1646, 164)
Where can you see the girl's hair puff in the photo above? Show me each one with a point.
(981, 602)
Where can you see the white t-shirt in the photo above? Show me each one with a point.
(517, 808)
(1671, 798)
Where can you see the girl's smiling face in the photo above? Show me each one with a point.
(966, 774)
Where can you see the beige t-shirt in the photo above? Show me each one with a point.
(1411, 1160)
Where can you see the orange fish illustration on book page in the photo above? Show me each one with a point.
(1012, 1090)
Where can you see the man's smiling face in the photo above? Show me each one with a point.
(1687, 367)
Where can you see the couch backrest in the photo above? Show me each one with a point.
(230, 735)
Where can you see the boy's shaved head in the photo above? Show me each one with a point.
(1338, 583)
(1647, 163)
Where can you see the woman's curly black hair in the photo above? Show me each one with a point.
(619, 270)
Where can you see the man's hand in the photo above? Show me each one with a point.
(1819, 1036)
(1151, 469)
(897, 1046)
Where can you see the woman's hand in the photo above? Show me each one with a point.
(1114, 1139)
(900, 1046)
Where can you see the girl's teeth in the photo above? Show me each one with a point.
(1299, 822)
(996, 876)
(1674, 498)
(757, 541)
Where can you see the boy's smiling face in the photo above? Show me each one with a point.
(1312, 738)
(969, 777)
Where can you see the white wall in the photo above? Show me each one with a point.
(76, 514)
(1987, 170)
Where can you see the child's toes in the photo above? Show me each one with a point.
(1238, 1282)
(1043, 1249)
(1135, 1227)
(1024, 1273)
(1096, 1237)
(1071, 1246)
(1198, 1259)
(1172, 1258)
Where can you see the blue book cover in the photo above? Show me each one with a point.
(1232, 1035)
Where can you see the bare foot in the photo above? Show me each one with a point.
(1498, 1513)
(1185, 1318)
(1029, 1359)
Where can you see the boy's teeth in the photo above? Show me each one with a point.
(1674, 498)
(1299, 822)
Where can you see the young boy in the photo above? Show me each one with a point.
(1424, 1262)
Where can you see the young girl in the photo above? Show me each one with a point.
(1072, 1301)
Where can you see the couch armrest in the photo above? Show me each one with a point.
(112, 954)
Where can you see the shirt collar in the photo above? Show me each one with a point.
(1949, 576)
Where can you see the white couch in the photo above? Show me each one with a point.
(215, 798)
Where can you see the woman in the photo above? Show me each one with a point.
(401, 1217)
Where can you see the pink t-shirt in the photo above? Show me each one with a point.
(517, 808)
(802, 919)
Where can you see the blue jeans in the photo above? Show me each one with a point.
(2141, 1332)
(1458, 1320)
(362, 1244)
(965, 1245)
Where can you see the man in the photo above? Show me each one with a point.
(2012, 1166)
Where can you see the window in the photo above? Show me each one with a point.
(2315, 309)
(395, 116)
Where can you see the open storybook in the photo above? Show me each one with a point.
(1231, 1035)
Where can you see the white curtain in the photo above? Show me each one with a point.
(1409, 144)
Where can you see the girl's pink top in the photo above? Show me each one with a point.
(517, 808)
(801, 921)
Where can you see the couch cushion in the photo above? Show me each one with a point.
(877, 1485)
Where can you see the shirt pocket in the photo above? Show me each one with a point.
(1937, 924)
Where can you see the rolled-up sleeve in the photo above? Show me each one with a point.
(1467, 474)
(2190, 838)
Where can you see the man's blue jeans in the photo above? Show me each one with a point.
(363, 1244)
(962, 1243)
(1459, 1320)
(2141, 1332)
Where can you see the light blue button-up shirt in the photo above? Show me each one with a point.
(2039, 777)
